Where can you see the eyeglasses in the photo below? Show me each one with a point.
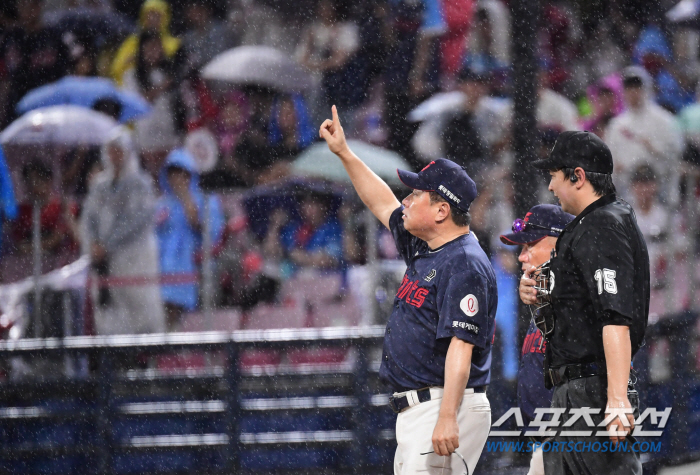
(466, 467)
(520, 225)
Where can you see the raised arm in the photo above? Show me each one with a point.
(373, 191)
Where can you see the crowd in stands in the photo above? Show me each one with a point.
(141, 208)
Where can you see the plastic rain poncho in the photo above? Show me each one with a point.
(179, 242)
(119, 214)
(649, 135)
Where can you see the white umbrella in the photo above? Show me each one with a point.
(60, 125)
(319, 161)
(258, 66)
(684, 13)
(438, 104)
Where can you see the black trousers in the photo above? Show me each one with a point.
(587, 458)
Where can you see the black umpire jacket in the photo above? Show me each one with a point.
(600, 277)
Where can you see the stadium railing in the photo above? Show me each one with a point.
(96, 405)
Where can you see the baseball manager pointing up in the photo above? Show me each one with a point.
(437, 348)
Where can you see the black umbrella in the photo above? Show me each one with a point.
(97, 26)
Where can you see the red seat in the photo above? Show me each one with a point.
(255, 358)
(342, 313)
(264, 317)
(317, 356)
(313, 288)
(224, 320)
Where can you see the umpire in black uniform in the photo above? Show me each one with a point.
(599, 289)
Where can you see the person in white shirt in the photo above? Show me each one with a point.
(554, 111)
(644, 134)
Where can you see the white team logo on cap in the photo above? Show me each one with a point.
(469, 305)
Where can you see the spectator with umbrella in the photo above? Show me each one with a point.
(315, 241)
(86, 92)
(58, 246)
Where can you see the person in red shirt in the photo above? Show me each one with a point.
(58, 245)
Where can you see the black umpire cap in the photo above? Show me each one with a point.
(446, 178)
(578, 149)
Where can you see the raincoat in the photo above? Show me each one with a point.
(179, 242)
(650, 46)
(119, 214)
(126, 55)
(626, 136)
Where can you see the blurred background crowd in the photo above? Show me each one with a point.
(213, 206)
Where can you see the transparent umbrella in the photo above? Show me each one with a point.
(319, 161)
(67, 125)
(685, 13)
(261, 66)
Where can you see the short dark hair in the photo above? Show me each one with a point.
(459, 217)
(602, 182)
(632, 81)
(644, 174)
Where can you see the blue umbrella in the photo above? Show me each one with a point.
(84, 91)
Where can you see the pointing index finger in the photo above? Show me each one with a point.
(336, 119)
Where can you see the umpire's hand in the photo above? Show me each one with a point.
(621, 413)
(528, 293)
(332, 132)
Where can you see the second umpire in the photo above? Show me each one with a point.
(599, 289)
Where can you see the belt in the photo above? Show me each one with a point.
(400, 401)
(566, 373)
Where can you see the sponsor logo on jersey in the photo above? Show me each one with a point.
(466, 325)
(469, 305)
(430, 276)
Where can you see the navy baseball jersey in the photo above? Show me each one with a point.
(448, 291)
(531, 391)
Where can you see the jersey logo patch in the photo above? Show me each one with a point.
(469, 305)
(430, 276)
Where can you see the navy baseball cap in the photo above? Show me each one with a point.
(447, 179)
(573, 149)
(541, 221)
